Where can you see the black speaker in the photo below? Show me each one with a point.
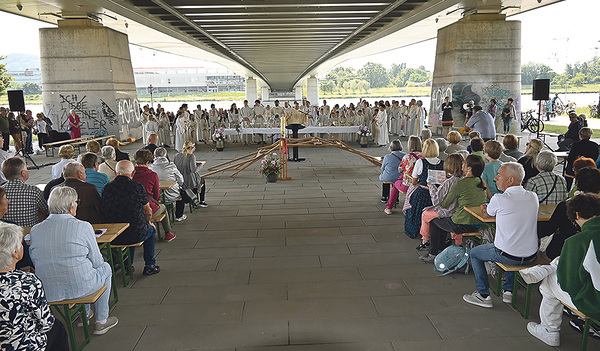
(541, 89)
(16, 101)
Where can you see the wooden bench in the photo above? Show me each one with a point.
(476, 236)
(156, 219)
(543, 136)
(524, 311)
(504, 136)
(123, 254)
(99, 139)
(73, 309)
(64, 142)
(586, 326)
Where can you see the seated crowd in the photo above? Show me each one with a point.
(496, 180)
(100, 186)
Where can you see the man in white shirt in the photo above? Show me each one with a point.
(258, 111)
(516, 243)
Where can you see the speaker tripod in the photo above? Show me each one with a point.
(23, 153)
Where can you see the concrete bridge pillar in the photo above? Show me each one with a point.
(251, 90)
(477, 58)
(312, 91)
(87, 67)
(298, 94)
(266, 93)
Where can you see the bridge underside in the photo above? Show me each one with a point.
(278, 42)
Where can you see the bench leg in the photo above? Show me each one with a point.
(67, 314)
(586, 332)
(498, 289)
(528, 288)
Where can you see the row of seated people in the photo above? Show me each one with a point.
(63, 246)
(501, 190)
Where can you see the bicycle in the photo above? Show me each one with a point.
(531, 123)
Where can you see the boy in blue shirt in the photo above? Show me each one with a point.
(493, 150)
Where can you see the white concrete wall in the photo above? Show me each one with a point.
(478, 58)
(87, 67)
(251, 91)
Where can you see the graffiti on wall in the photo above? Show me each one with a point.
(438, 95)
(99, 118)
(481, 94)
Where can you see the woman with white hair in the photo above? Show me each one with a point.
(110, 162)
(67, 258)
(550, 188)
(26, 322)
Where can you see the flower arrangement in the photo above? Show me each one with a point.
(238, 128)
(219, 134)
(364, 131)
(270, 165)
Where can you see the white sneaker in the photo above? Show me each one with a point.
(427, 258)
(550, 338)
(476, 299)
(181, 219)
(387, 211)
(537, 273)
(507, 296)
(102, 328)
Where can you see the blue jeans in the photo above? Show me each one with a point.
(507, 125)
(488, 252)
(149, 242)
(101, 305)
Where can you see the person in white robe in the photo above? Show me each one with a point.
(420, 118)
(383, 138)
(413, 109)
(234, 120)
(245, 119)
(164, 130)
(180, 124)
(151, 127)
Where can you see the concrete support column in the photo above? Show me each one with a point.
(298, 93)
(87, 67)
(312, 91)
(251, 91)
(266, 93)
(478, 58)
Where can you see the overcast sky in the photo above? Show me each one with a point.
(562, 33)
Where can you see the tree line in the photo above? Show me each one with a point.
(373, 75)
(575, 74)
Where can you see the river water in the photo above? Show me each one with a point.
(581, 99)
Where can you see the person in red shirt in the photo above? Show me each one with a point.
(149, 179)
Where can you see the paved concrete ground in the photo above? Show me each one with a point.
(307, 264)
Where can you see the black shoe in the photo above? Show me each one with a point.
(578, 326)
(127, 270)
(384, 200)
(203, 204)
(423, 246)
(151, 270)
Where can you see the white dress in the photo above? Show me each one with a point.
(164, 131)
(412, 125)
(151, 128)
(383, 138)
(179, 133)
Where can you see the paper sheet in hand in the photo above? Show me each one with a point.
(436, 177)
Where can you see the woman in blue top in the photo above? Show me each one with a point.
(389, 168)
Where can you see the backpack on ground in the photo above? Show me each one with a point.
(453, 258)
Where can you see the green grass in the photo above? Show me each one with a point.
(555, 89)
(555, 129)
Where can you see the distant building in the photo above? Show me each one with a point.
(29, 75)
(186, 80)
